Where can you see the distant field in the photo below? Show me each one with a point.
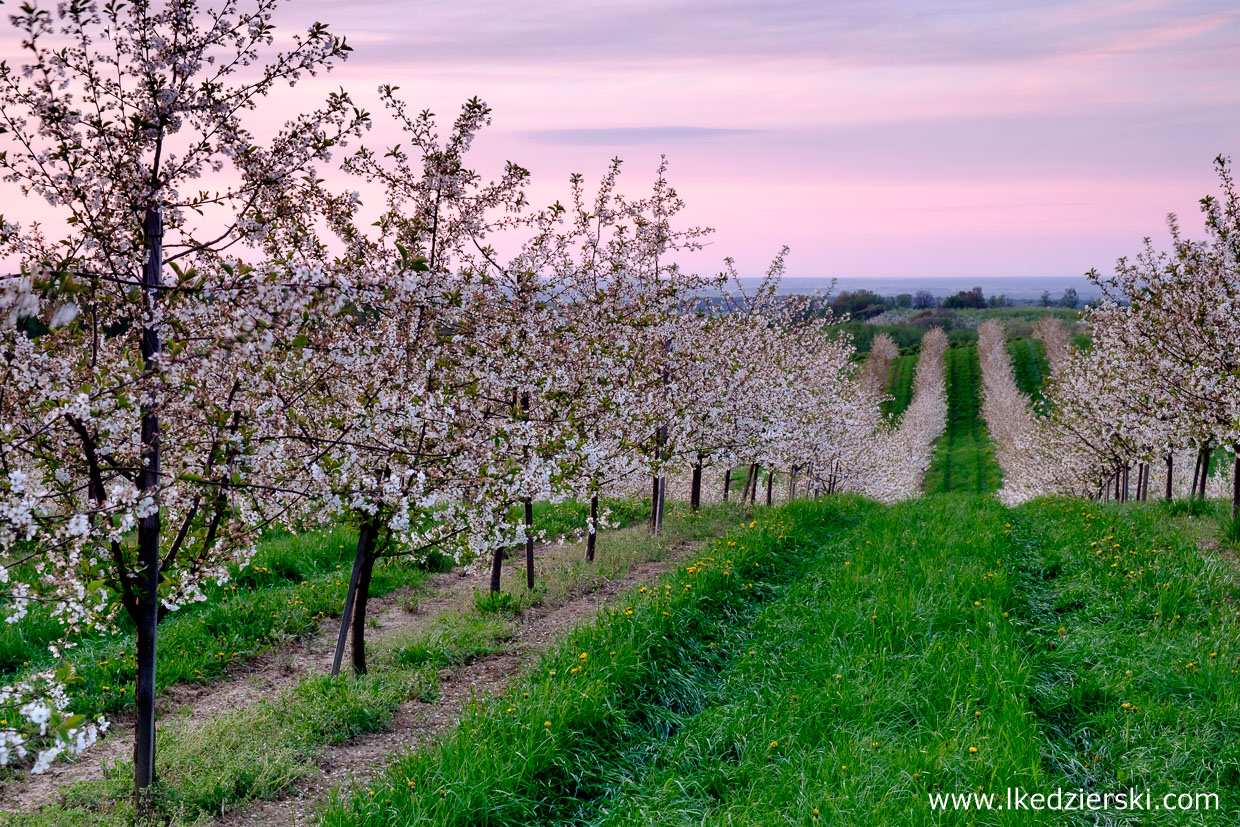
(907, 326)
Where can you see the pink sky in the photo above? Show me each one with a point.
(875, 138)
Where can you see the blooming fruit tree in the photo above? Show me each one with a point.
(135, 402)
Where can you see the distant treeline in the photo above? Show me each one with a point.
(865, 304)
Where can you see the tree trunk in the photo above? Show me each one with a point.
(770, 481)
(1206, 456)
(359, 607)
(753, 490)
(1235, 481)
(659, 485)
(497, 565)
(529, 543)
(1124, 497)
(727, 483)
(792, 483)
(695, 489)
(147, 608)
(655, 489)
(1169, 471)
(593, 535)
(365, 548)
(658, 525)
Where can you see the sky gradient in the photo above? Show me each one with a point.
(874, 138)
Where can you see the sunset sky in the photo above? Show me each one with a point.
(875, 138)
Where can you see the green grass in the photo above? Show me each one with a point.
(562, 572)
(837, 655)
(940, 645)
(933, 630)
(859, 687)
(604, 702)
(1029, 368)
(963, 457)
(900, 385)
(569, 517)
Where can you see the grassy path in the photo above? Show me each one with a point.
(1029, 367)
(900, 384)
(890, 654)
(598, 710)
(964, 457)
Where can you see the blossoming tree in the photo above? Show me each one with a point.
(134, 404)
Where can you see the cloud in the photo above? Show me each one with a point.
(841, 32)
(631, 135)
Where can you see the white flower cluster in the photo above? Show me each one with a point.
(34, 716)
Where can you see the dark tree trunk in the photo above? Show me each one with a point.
(792, 483)
(1206, 456)
(1124, 495)
(770, 481)
(658, 526)
(727, 483)
(497, 566)
(146, 610)
(593, 535)
(1169, 471)
(359, 608)
(753, 490)
(659, 484)
(1235, 481)
(654, 504)
(529, 543)
(695, 489)
(366, 534)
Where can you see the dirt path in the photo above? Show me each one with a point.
(399, 613)
(417, 722)
(266, 675)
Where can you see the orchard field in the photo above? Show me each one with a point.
(435, 505)
(831, 660)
